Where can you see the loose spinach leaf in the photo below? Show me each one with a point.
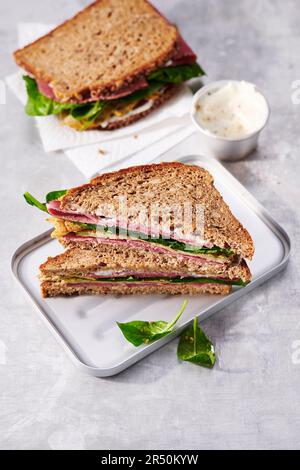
(34, 202)
(144, 332)
(194, 346)
(54, 195)
(177, 74)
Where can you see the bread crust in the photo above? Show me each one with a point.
(31, 57)
(55, 289)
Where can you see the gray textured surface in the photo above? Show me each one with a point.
(251, 398)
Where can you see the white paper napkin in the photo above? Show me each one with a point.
(92, 159)
(94, 150)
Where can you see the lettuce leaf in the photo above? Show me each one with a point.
(40, 105)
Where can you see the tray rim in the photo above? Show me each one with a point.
(137, 355)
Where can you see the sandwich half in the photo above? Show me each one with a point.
(94, 217)
(110, 65)
(110, 269)
(92, 213)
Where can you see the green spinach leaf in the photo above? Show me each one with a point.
(88, 113)
(174, 244)
(54, 195)
(144, 332)
(34, 202)
(174, 280)
(176, 74)
(140, 94)
(194, 346)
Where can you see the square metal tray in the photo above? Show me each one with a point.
(86, 326)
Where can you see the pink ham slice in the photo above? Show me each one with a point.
(139, 84)
(131, 88)
(73, 216)
(54, 209)
(46, 89)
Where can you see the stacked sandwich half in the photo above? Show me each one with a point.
(112, 64)
(149, 229)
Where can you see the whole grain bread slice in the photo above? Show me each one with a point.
(61, 288)
(103, 48)
(167, 184)
(82, 261)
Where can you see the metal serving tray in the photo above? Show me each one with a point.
(86, 326)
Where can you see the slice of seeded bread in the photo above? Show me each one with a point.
(172, 184)
(106, 46)
(82, 261)
(61, 288)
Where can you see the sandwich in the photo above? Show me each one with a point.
(113, 269)
(169, 212)
(110, 65)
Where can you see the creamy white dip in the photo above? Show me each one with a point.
(232, 111)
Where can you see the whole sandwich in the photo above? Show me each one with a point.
(147, 229)
(112, 64)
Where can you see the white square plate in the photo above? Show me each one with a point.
(86, 326)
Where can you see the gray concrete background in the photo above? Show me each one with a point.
(251, 398)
